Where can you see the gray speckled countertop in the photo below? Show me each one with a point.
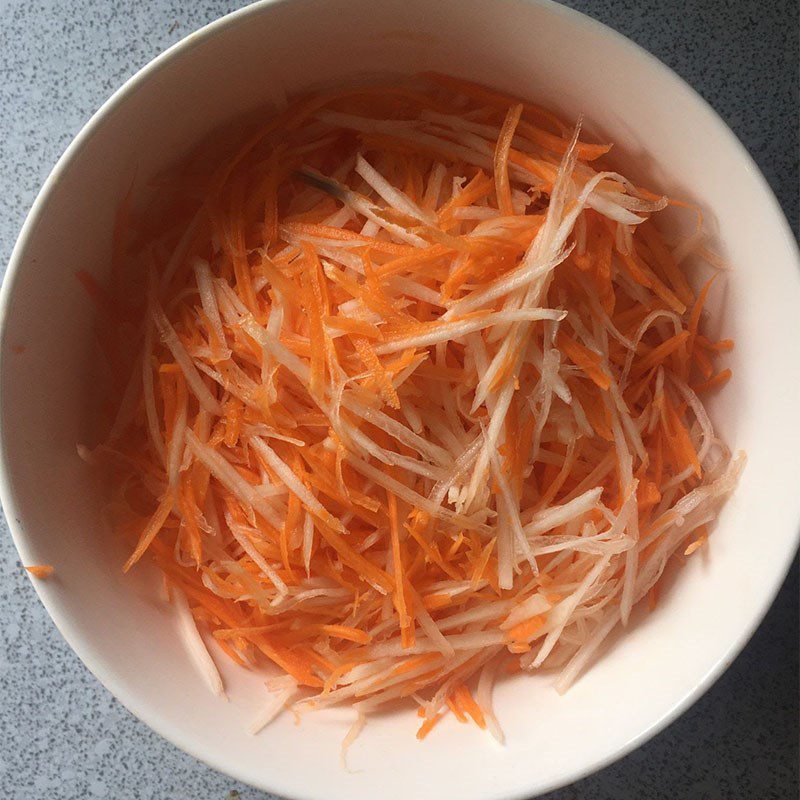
(62, 736)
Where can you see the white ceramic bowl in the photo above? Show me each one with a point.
(117, 626)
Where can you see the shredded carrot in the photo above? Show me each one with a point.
(405, 384)
(343, 632)
(524, 630)
(41, 571)
(714, 382)
(695, 545)
(456, 709)
(466, 701)
(428, 726)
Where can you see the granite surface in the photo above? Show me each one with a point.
(62, 736)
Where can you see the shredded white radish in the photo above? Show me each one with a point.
(279, 699)
(193, 379)
(195, 646)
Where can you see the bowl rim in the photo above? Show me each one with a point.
(141, 709)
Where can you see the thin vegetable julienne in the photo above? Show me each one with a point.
(415, 364)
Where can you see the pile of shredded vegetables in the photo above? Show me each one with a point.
(415, 398)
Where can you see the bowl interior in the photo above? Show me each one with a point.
(663, 134)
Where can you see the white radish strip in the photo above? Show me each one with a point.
(182, 358)
(483, 697)
(230, 305)
(393, 196)
(274, 326)
(624, 416)
(457, 642)
(151, 411)
(430, 200)
(629, 582)
(382, 690)
(587, 650)
(280, 353)
(308, 542)
(512, 514)
(599, 544)
(581, 420)
(556, 516)
(268, 433)
(352, 734)
(481, 613)
(195, 646)
(520, 201)
(460, 124)
(409, 495)
(457, 328)
(430, 628)
(276, 703)
(536, 357)
(461, 465)
(623, 239)
(700, 413)
(258, 559)
(631, 202)
(497, 405)
(390, 457)
(369, 680)
(505, 550)
(438, 428)
(591, 296)
(412, 416)
(397, 430)
(205, 286)
(490, 440)
(236, 383)
(517, 278)
(542, 398)
(227, 475)
(720, 487)
(535, 605)
(370, 228)
(561, 613)
(603, 204)
(294, 484)
(416, 290)
(340, 218)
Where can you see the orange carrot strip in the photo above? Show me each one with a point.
(584, 358)
(714, 382)
(152, 528)
(466, 701)
(41, 571)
